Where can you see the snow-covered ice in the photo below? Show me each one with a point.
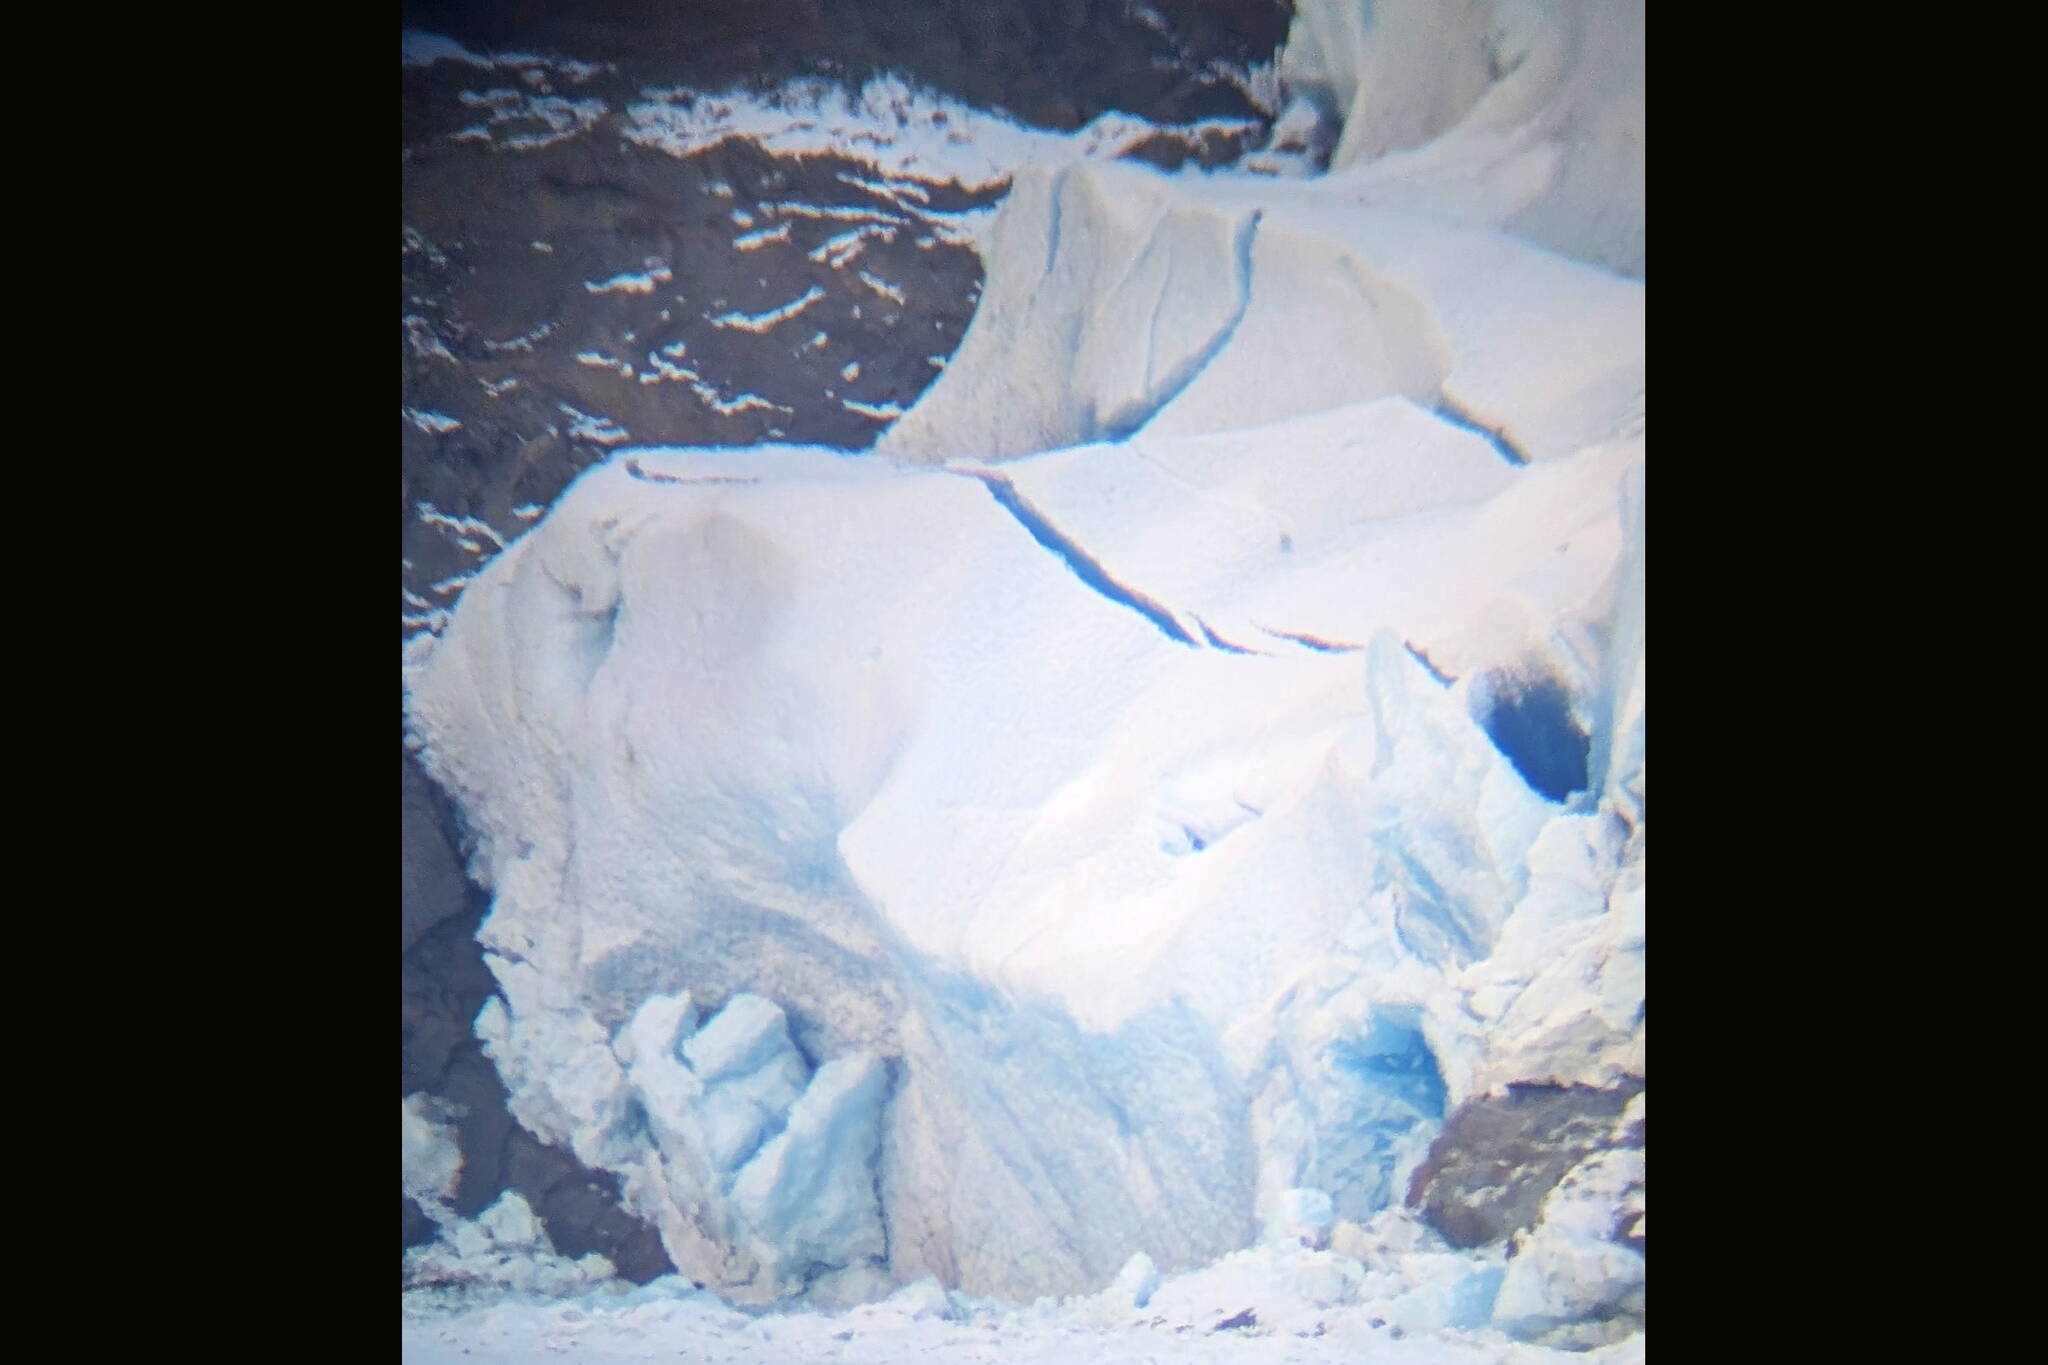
(1040, 892)
(1273, 1304)
(906, 133)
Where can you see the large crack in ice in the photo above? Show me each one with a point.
(1314, 642)
(1450, 410)
(1218, 642)
(1085, 566)
(1157, 396)
(1052, 229)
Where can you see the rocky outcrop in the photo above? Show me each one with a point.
(1056, 64)
(562, 300)
(419, 1229)
(1499, 1155)
(443, 984)
(1558, 1171)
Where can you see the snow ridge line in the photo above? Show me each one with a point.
(1455, 413)
(1085, 566)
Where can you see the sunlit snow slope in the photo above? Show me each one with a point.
(1199, 755)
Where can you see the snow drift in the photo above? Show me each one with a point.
(1106, 826)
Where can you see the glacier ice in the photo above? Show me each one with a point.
(504, 1248)
(1117, 875)
(1573, 1282)
(1117, 302)
(750, 1074)
(810, 1190)
(758, 1168)
(916, 859)
(1524, 113)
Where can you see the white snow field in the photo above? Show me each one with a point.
(1036, 892)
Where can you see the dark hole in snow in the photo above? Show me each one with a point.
(1530, 721)
(1397, 1064)
(1248, 1318)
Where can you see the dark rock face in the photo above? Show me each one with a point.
(444, 983)
(1208, 148)
(1054, 63)
(432, 885)
(419, 1229)
(1498, 1156)
(545, 373)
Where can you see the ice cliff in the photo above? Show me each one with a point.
(1202, 753)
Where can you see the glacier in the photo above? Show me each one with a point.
(1087, 851)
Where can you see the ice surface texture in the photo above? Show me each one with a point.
(848, 739)
(1119, 864)
(1529, 113)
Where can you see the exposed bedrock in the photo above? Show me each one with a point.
(562, 300)
(1559, 1172)
(1499, 1155)
(1056, 64)
(443, 985)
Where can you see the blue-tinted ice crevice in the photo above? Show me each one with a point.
(1218, 642)
(1381, 1092)
(1349, 1115)
(1085, 566)
(1096, 575)
(1454, 412)
(1314, 642)
(1159, 394)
